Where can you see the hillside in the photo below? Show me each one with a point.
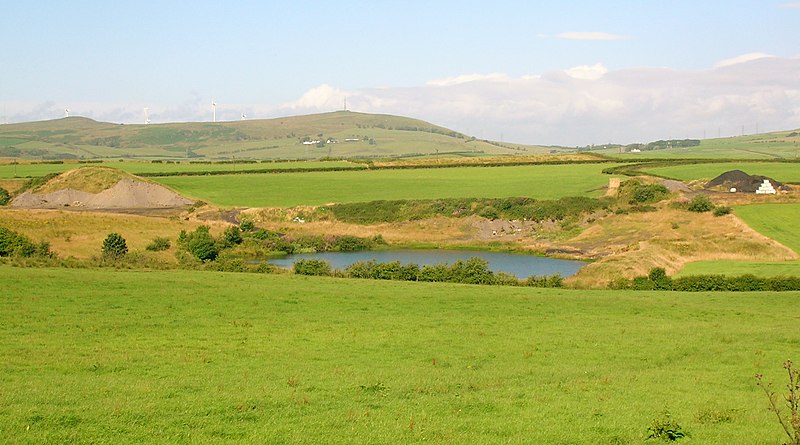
(763, 146)
(340, 134)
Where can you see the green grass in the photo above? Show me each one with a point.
(776, 221)
(783, 172)
(292, 189)
(97, 356)
(776, 145)
(36, 170)
(738, 268)
(378, 136)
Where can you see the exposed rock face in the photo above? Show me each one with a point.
(742, 182)
(126, 194)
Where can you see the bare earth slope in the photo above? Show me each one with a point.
(99, 188)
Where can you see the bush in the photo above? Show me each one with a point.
(722, 210)
(4, 196)
(232, 237)
(700, 204)
(13, 244)
(199, 243)
(312, 267)
(158, 244)
(114, 246)
(644, 193)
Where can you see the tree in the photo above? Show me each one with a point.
(114, 246)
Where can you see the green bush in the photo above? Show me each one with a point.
(312, 267)
(4, 196)
(158, 244)
(643, 193)
(13, 244)
(722, 210)
(114, 246)
(700, 204)
(232, 237)
(199, 243)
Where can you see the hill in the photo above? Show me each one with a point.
(763, 146)
(99, 188)
(338, 134)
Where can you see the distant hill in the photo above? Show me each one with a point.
(774, 145)
(338, 134)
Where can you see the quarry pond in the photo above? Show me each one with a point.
(522, 266)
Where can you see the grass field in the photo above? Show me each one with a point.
(783, 172)
(374, 135)
(35, 170)
(776, 221)
(776, 145)
(737, 268)
(293, 189)
(97, 356)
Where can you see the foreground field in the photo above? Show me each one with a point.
(97, 356)
(315, 188)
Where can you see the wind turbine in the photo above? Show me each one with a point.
(146, 118)
(244, 116)
(66, 112)
(213, 111)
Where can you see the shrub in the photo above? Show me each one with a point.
(666, 429)
(247, 226)
(789, 421)
(644, 193)
(4, 196)
(700, 204)
(158, 244)
(199, 243)
(232, 237)
(13, 244)
(312, 267)
(722, 210)
(114, 246)
(349, 243)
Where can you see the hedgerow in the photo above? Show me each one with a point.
(658, 280)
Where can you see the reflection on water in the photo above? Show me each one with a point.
(522, 266)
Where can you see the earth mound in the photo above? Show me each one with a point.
(99, 188)
(742, 182)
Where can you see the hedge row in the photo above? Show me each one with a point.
(657, 279)
(471, 271)
(491, 208)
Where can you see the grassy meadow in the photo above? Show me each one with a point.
(781, 171)
(316, 188)
(775, 145)
(373, 135)
(776, 221)
(102, 356)
(24, 170)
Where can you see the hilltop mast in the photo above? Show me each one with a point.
(213, 111)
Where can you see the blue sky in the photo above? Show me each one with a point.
(108, 60)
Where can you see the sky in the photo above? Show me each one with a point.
(539, 72)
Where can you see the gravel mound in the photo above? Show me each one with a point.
(742, 182)
(125, 194)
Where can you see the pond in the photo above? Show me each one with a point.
(522, 266)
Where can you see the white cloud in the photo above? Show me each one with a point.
(559, 107)
(465, 78)
(744, 58)
(587, 72)
(589, 36)
(793, 5)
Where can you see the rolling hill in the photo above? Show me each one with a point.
(337, 134)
